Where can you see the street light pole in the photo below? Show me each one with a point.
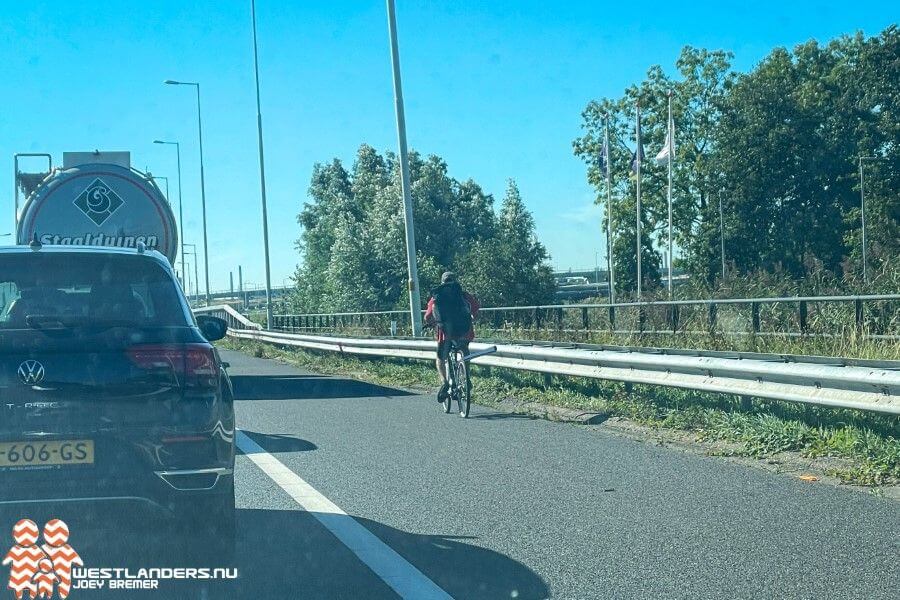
(262, 173)
(670, 148)
(197, 275)
(202, 181)
(610, 261)
(180, 203)
(862, 214)
(415, 300)
(722, 234)
(638, 158)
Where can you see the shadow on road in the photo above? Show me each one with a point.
(301, 387)
(275, 443)
(289, 554)
(462, 570)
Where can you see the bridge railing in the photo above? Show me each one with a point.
(235, 320)
(876, 316)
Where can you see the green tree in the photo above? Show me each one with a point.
(353, 241)
(778, 146)
(696, 97)
(511, 267)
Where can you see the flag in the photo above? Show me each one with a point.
(663, 157)
(638, 154)
(604, 158)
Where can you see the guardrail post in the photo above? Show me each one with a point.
(537, 317)
(612, 318)
(858, 309)
(746, 403)
(754, 316)
(803, 316)
(559, 318)
(713, 313)
(584, 319)
(642, 318)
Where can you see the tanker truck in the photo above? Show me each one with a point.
(94, 199)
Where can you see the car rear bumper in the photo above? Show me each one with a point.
(164, 492)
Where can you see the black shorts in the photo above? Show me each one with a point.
(443, 349)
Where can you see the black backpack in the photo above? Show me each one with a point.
(451, 310)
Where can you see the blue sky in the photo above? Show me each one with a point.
(495, 88)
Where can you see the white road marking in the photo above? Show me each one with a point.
(393, 569)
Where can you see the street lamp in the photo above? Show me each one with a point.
(180, 203)
(262, 173)
(202, 180)
(862, 214)
(193, 252)
(415, 300)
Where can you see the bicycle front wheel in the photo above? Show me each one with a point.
(463, 386)
(451, 376)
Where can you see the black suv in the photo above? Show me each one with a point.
(110, 392)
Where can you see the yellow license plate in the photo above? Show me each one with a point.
(36, 454)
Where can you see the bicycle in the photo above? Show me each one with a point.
(458, 378)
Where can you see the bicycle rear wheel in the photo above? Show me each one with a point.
(462, 386)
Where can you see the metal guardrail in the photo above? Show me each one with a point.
(875, 315)
(857, 385)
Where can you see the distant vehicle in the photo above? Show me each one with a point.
(111, 391)
(573, 281)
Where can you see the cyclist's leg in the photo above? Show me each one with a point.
(443, 351)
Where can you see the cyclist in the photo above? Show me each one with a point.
(451, 310)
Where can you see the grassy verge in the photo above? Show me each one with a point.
(867, 444)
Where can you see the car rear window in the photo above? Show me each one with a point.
(86, 289)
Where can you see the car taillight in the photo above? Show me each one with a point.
(193, 364)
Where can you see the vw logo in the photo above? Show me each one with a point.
(31, 372)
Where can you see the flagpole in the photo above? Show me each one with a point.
(671, 139)
(609, 239)
(637, 160)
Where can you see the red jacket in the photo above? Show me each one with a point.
(473, 306)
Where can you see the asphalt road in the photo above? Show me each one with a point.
(350, 490)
